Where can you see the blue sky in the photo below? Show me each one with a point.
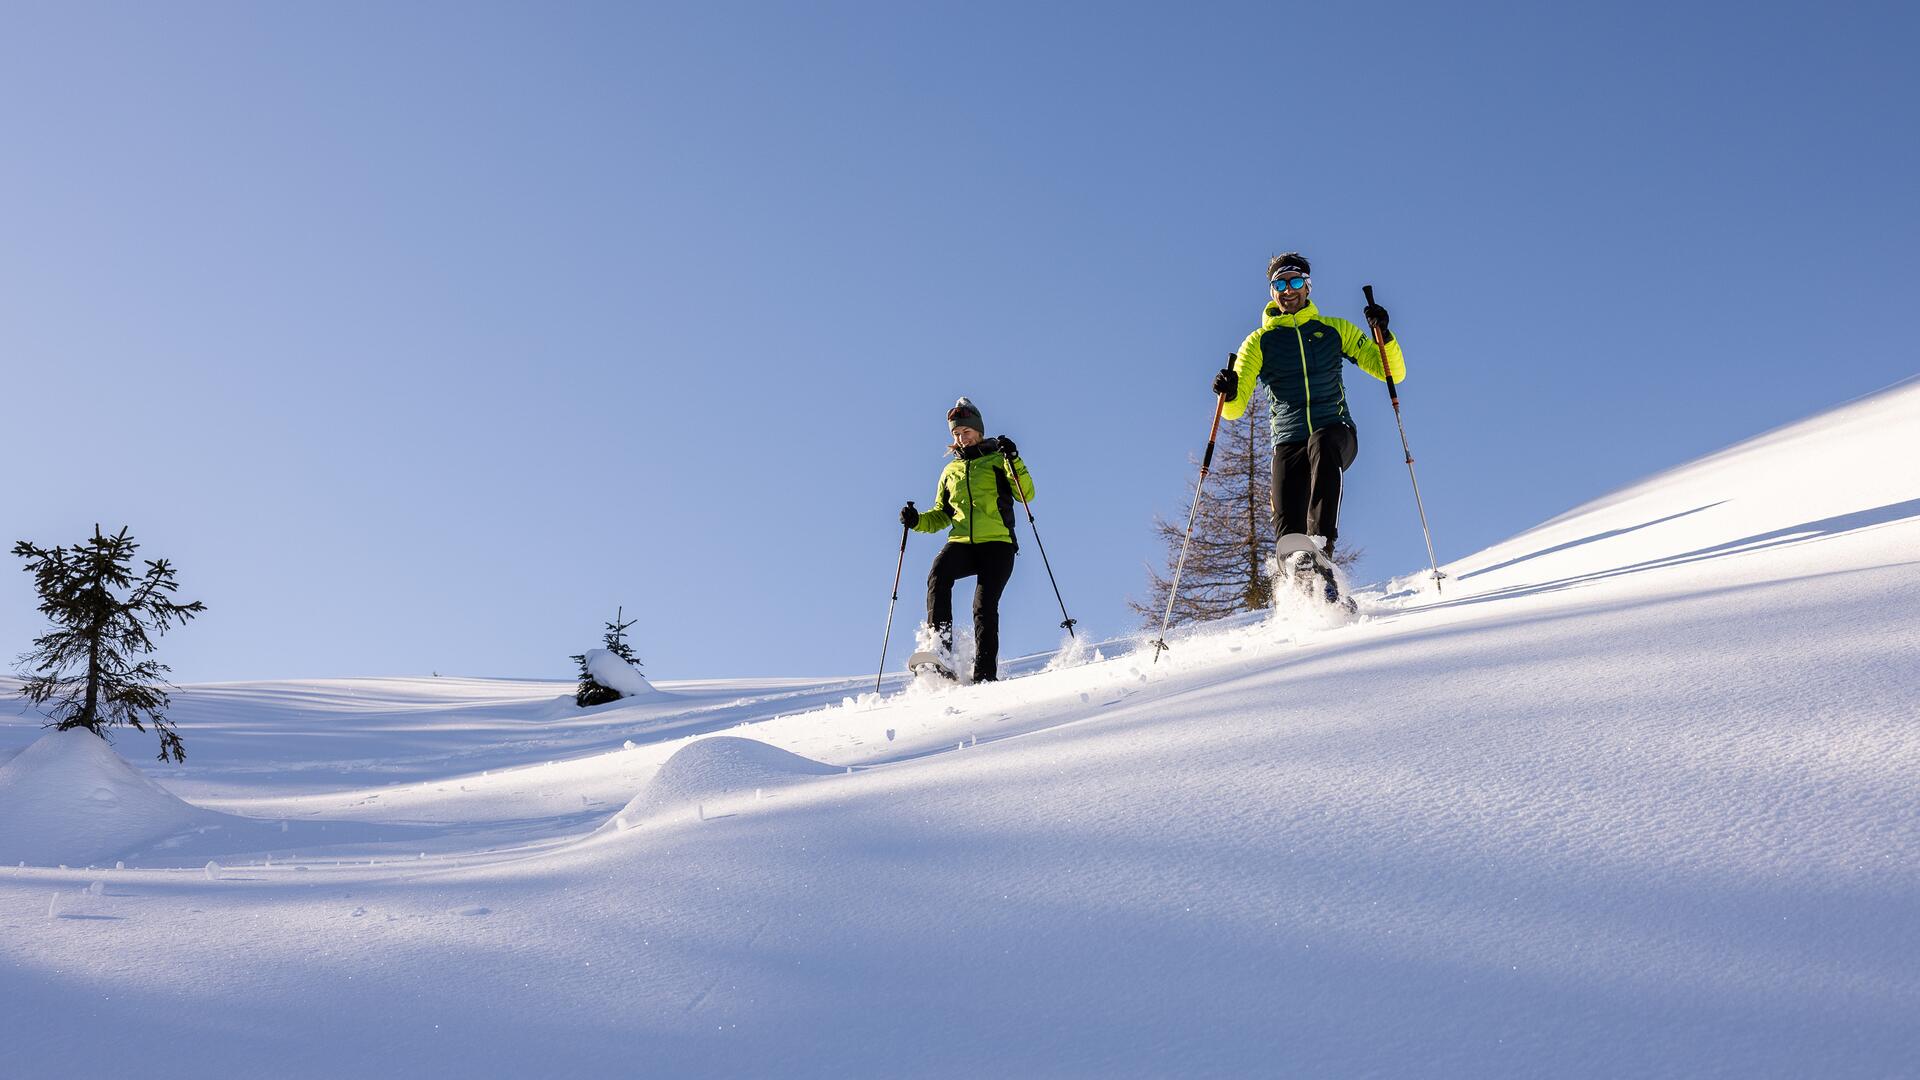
(420, 336)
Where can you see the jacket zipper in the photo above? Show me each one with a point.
(1305, 383)
(967, 464)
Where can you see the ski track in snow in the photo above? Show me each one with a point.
(1633, 796)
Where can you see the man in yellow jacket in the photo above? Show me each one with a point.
(1297, 354)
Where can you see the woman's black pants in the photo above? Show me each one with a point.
(992, 563)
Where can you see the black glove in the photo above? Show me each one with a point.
(1226, 383)
(909, 516)
(1007, 449)
(1377, 315)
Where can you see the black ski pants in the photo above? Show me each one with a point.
(992, 563)
(1306, 482)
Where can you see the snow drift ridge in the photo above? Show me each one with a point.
(715, 766)
(69, 798)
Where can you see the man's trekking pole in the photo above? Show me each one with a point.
(1206, 462)
(1380, 340)
(1066, 620)
(888, 640)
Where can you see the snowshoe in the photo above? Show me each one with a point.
(1307, 570)
(929, 663)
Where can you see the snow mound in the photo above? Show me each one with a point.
(616, 674)
(720, 765)
(68, 798)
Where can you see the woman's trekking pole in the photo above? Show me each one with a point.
(1206, 462)
(888, 640)
(1066, 620)
(1380, 340)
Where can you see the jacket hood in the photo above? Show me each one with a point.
(1274, 317)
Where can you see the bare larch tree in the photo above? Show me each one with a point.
(1233, 533)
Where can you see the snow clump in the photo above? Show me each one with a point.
(616, 674)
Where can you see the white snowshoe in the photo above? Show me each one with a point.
(1305, 568)
(930, 664)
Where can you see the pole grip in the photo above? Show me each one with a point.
(1380, 342)
(1213, 433)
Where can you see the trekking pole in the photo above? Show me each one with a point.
(1206, 462)
(888, 640)
(1066, 620)
(1380, 340)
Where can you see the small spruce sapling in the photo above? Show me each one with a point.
(590, 692)
(104, 617)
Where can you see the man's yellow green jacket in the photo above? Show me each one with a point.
(1297, 358)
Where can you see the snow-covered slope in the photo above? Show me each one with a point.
(1634, 795)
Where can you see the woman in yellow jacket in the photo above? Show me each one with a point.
(974, 502)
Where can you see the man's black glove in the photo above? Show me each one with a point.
(909, 516)
(1226, 384)
(1007, 449)
(1377, 315)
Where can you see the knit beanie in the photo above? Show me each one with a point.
(963, 414)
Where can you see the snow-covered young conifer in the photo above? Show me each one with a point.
(594, 691)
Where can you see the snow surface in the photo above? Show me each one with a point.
(1633, 795)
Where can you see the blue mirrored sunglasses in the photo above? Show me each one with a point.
(1297, 281)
